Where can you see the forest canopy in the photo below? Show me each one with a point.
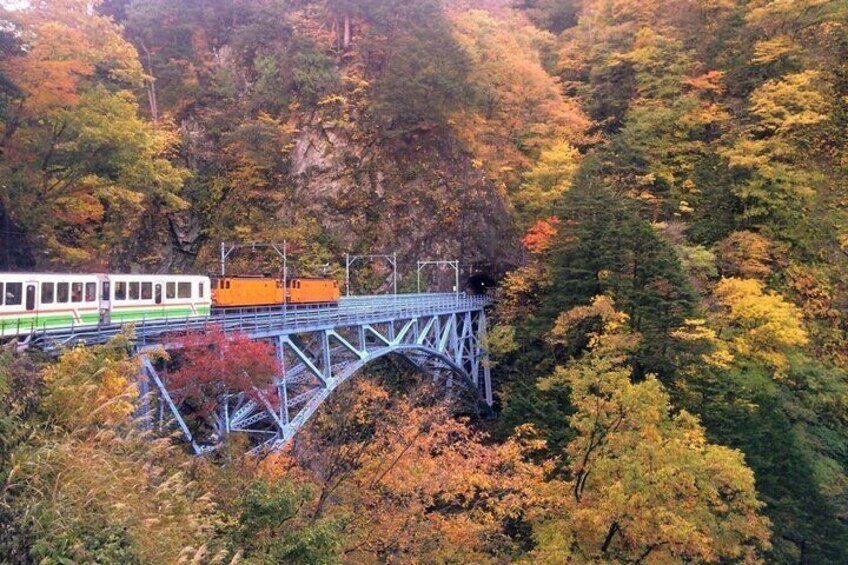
(659, 188)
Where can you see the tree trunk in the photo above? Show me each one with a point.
(150, 85)
(154, 106)
(611, 534)
(346, 40)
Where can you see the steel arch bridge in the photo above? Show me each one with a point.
(319, 349)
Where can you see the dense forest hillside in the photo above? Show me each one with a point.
(659, 186)
(337, 126)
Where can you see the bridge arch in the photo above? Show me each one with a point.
(426, 360)
(449, 346)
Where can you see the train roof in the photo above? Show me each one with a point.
(253, 277)
(16, 276)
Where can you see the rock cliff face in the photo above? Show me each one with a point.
(420, 196)
(338, 145)
(253, 121)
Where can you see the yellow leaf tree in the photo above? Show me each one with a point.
(775, 148)
(759, 324)
(546, 182)
(645, 485)
(522, 109)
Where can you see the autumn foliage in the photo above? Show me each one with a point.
(659, 187)
(417, 483)
(213, 363)
(646, 483)
(539, 237)
(88, 483)
(761, 324)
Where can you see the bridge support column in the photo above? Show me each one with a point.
(148, 371)
(483, 348)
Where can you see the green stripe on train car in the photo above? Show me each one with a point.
(29, 322)
(158, 314)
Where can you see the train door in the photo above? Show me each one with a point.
(105, 299)
(30, 302)
(157, 297)
(29, 297)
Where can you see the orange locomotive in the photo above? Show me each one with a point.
(246, 292)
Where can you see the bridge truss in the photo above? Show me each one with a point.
(443, 336)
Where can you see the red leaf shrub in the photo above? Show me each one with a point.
(212, 363)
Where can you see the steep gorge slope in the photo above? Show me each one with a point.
(680, 190)
(374, 126)
(714, 213)
(376, 131)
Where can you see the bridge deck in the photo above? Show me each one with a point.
(266, 322)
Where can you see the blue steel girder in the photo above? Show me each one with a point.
(447, 343)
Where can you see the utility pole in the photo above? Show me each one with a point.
(454, 264)
(279, 248)
(347, 274)
(351, 259)
(6, 228)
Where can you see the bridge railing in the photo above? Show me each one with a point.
(348, 315)
(263, 322)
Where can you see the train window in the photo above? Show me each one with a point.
(120, 290)
(134, 290)
(200, 290)
(104, 292)
(1, 294)
(170, 290)
(90, 292)
(62, 294)
(147, 291)
(76, 292)
(184, 290)
(48, 294)
(228, 284)
(14, 293)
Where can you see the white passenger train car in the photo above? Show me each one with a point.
(37, 301)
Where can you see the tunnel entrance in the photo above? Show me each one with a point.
(479, 284)
(475, 279)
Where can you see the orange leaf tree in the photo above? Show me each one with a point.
(411, 482)
(539, 237)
